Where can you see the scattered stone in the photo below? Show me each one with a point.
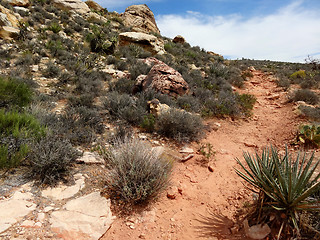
(90, 158)
(48, 209)
(88, 216)
(187, 158)
(72, 5)
(259, 231)
(273, 97)
(143, 137)
(211, 168)
(216, 126)
(142, 236)
(186, 150)
(41, 216)
(179, 39)
(248, 144)
(28, 223)
(63, 192)
(172, 192)
(35, 68)
(148, 42)
(140, 18)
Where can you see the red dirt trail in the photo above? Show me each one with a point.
(206, 207)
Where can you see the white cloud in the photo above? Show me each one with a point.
(290, 34)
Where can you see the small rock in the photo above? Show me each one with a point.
(41, 216)
(247, 144)
(216, 126)
(28, 223)
(211, 168)
(143, 137)
(142, 236)
(48, 209)
(90, 158)
(187, 158)
(38, 224)
(172, 192)
(186, 150)
(259, 231)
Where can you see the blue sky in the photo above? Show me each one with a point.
(281, 30)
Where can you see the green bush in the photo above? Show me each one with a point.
(16, 131)
(51, 159)
(246, 102)
(54, 27)
(148, 123)
(285, 186)
(179, 125)
(137, 173)
(13, 92)
(309, 135)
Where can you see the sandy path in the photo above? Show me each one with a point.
(209, 200)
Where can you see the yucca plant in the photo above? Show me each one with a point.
(284, 184)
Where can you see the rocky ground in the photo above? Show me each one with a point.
(204, 200)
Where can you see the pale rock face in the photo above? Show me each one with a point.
(140, 18)
(148, 42)
(87, 217)
(8, 24)
(74, 5)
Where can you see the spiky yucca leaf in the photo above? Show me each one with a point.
(286, 183)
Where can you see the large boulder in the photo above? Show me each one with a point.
(8, 24)
(164, 79)
(93, 5)
(149, 42)
(179, 39)
(72, 5)
(140, 18)
(19, 3)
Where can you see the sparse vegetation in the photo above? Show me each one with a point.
(137, 174)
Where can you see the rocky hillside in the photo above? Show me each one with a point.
(81, 88)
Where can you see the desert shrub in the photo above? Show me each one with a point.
(179, 125)
(148, 123)
(54, 27)
(299, 74)
(246, 102)
(16, 130)
(122, 85)
(51, 71)
(85, 100)
(14, 93)
(124, 107)
(311, 112)
(121, 65)
(138, 68)
(189, 103)
(285, 186)
(306, 95)
(51, 159)
(25, 59)
(137, 173)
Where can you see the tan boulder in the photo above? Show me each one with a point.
(149, 42)
(179, 39)
(9, 32)
(19, 3)
(72, 5)
(164, 79)
(93, 5)
(140, 18)
(156, 108)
